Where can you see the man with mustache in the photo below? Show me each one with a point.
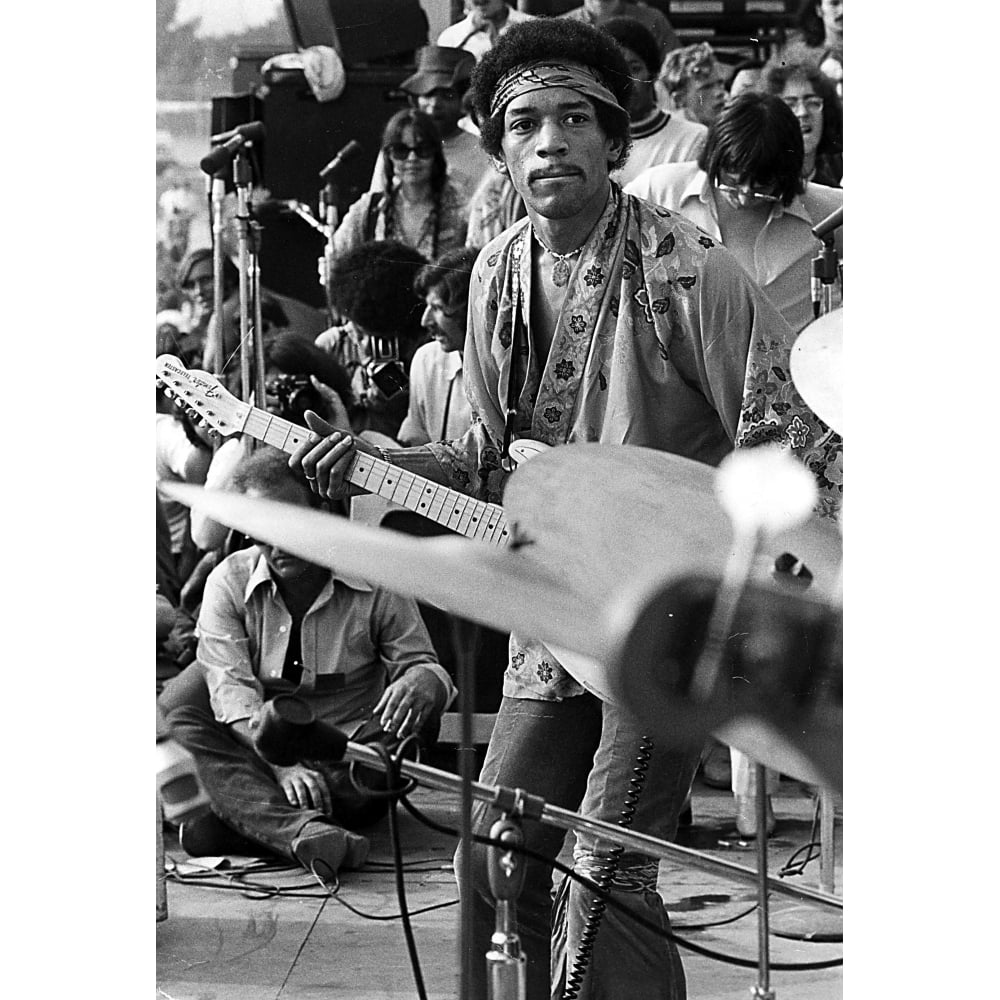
(439, 408)
(598, 317)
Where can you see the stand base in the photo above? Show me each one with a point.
(806, 923)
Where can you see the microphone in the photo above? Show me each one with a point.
(251, 132)
(833, 221)
(288, 732)
(349, 151)
(222, 155)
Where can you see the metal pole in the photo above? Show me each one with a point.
(218, 254)
(565, 819)
(762, 991)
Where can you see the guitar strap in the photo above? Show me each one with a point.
(518, 351)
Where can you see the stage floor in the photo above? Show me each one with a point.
(218, 944)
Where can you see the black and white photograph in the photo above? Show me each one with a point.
(504, 586)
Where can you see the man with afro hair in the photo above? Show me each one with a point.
(624, 324)
(371, 287)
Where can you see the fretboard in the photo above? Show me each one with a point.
(461, 513)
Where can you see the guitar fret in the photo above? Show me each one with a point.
(437, 504)
(457, 509)
(500, 535)
(475, 519)
(495, 522)
(428, 494)
(403, 487)
(461, 513)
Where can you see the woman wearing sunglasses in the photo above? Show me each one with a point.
(419, 205)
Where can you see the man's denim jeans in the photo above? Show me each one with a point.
(581, 754)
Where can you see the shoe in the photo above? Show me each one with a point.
(208, 836)
(716, 768)
(746, 816)
(336, 848)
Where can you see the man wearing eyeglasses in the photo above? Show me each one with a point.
(746, 190)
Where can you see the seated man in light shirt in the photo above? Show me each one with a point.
(484, 22)
(746, 190)
(658, 136)
(273, 623)
(439, 409)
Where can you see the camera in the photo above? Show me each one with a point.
(385, 371)
(285, 393)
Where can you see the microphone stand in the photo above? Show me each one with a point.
(506, 799)
(825, 266)
(250, 338)
(328, 212)
(506, 964)
(218, 195)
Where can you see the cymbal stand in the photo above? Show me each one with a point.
(506, 963)
(762, 990)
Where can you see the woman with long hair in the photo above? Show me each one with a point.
(419, 205)
(799, 82)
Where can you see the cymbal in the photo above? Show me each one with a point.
(817, 363)
(609, 519)
(503, 588)
(596, 530)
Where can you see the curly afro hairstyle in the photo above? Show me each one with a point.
(372, 285)
(560, 40)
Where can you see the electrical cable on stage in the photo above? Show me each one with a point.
(621, 907)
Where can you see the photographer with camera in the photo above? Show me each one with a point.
(371, 287)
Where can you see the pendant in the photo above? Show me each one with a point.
(561, 272)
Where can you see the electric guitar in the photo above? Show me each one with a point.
(208, 402)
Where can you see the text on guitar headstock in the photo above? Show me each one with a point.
(201, 394)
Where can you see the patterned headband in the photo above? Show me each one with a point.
(541, 75)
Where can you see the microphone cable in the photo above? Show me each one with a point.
(621, 907)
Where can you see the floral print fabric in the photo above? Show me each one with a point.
(662, 341)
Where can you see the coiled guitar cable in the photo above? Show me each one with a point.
(604, 876)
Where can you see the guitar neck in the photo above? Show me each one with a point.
(457, 511)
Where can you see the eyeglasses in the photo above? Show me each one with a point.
(400, 150)
(810, 103)
(746, 191)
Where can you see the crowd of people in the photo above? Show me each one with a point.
(580, 230)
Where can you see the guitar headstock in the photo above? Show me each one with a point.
(202, 395)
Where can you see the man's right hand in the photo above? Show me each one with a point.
(304, 787)
(325, 457)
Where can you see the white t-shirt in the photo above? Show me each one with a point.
(662, 138)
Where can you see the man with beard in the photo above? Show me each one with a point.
(439, 409)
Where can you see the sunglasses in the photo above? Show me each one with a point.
(400, 150)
